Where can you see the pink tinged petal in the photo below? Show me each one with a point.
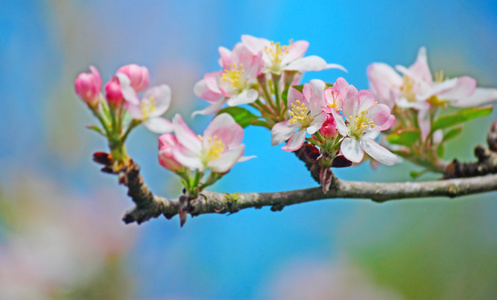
(224, 61)
(245, 158)
(388, 123)
(160, 99)
(351, 103)
(351, 149)
(167, 160)
(282, 131)
(294, 95)
(97, 79)
(128, 92)
(421, 86)
(295, 51)
(296, 141)
(480, 96)
(187, 157)
(255, 45)
(341, 127)
(159, 125)
(211, 80)
(226, 129)
(317, 99)
(424, 123)
(438, 89)
(134, 110)
(419, 105)
(167, 140)
(382, 79)
(317, 123)
(309, 63)
(420, 67)
(380, 114)
(185, 135)
(465, 86)
(377, 152)
(214, 108)
(245, 97)
(335, 66)
(366, 99)
(226, 160)
(241, 55)
(371, 134)
(201, 90)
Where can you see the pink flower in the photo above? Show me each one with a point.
(113, 92)
(138, 76)
(306, 116)
(418, 90)
(335, 95)
(329, 128)
(219, 149)
(152, 106)
(88, 86)
(232, 85)
(279, 58)
(166, 158)
(364, 121)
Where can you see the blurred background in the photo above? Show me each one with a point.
(61, 234)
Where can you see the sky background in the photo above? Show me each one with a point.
(339, 249)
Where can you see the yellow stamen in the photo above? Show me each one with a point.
(234, 76)
(276, 52)
(148, 106)
(439, 77)
(300, 113)
(360, 123)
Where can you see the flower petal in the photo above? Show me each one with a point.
(309, 63)
(282, 131)
(245, 97)
(226, 160)
(214, 108)
(129, 93)
(187, 158)
(382, 79)
(480, 96)
(378, 152)
(225, 54)
(342, 128)
(159, 125)
(351, 103)
(160, 99)
(296, 141)
(226, 129)
(465, 87)
(295, 51)
(366, 100)
(351, 149)
(185, 135)
(420, 67)
(317, 123)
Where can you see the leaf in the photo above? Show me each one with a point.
(441, 151)
(460, 117)
(241, 115)
(299, 87)
(329, 84)
(404, 137)
(96, 129)
(284, 96)
(452, 133)
(416, 174)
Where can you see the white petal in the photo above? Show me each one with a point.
(185, 135)
(159, 125)
(342, 128)
(282, 131)
(226, 129)
(161, 96)
(245, 97)
(226, 161)
(317, 123)
(129, 93)
(378, 152)
(296, 141)
(352, 150)
(479, 97)
(187, 158)
(309, 63)
(214, 108)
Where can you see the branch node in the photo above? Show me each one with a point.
(277, 207)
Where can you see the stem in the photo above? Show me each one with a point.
(131, 126)
(276, 82)
(263, 83)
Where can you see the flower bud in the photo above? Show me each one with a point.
(166, 158)
(329, 128)
(88, 86)
(113, 92)
(138, 76)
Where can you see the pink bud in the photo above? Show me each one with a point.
(166, 158)
(88, 86)
(138, 76)
(329, 128)
(113, 92)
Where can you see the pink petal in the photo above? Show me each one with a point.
(380, 114)
(129, 94)
(377, 152)
(134, 110)
(201, 90)
(317, 98)
(351, 103)
(352, 150)
(167, 140)
(465, 86)
(382, 79)
(480, 96)
(296, 141)
(282, 131)
(342, 128)
(185, 135)
(211, 80)
(225, 128)
(366, 100)
(420, 67)
(255, 45)
(295, 50)
(159, 125)
(187, 158)
(225, 54)
(226, 160)
(294, 95)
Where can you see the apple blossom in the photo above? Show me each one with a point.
(138, 76)
(113, 92)
(278, 58)
(149, 110)
(166, 158)
(306, 115)
(88, 86)
(334, 95)
(233, 84)
(219, 149)
(364, 121)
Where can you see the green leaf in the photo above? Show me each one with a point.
(460, 117)
(441, 151)
(299, 87)
(416, 174)
(241, 115)
(96, 129)
(404, 137)
(329, 84)
(452, 133)
(284, 96)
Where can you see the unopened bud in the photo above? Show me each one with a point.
(138, 76)
(88, 86)
(113, 92)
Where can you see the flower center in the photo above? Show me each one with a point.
(234, 75)
(148, 106)
(360, 123)
(213, 149)
(334, 95)
(299, 113)
(276, 52)
(407, 88)
(439, 76)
